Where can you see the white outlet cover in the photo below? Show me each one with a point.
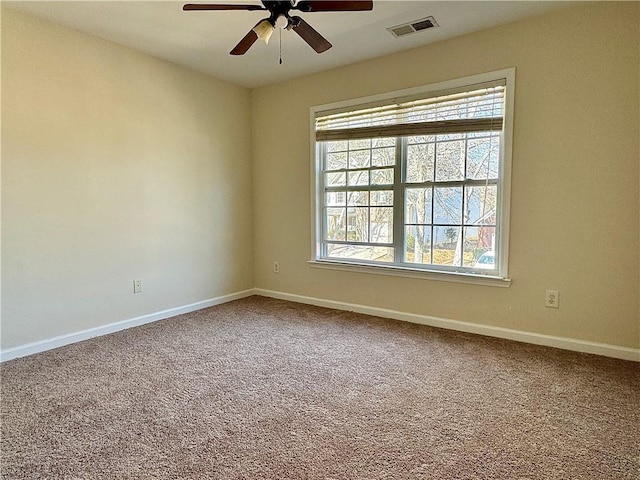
(552, 299)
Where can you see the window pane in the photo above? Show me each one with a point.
(447, 246)
(382, 197)
(481, 205)
(383, 142)
(359, 199)
(360, 252)
(478, 250)
(382, 176)
(382, 225)
(335, 199)
(447, 205)
(360, 177)
(470, 251)
(360, 144)
(450, 161)
(417, 247)
(421, 139)
(487, 261)
(486, 238)
(383, 157)
(420, 162)
(358, 224)
(450, 136)
(336, 161)
(338, 179)
(482, 157)
(338, 146)
(335, 219)
(417, 208)
(359, 159)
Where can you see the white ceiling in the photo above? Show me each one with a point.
(202, 40)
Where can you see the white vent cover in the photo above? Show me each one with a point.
(412, 27)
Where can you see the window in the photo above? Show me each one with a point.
(416, 181)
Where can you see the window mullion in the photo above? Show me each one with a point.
(464, 201)
(398, 199)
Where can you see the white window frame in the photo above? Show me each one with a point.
(499, 278)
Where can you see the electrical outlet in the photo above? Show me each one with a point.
(137, 286)
(552, 299)
(276, 267)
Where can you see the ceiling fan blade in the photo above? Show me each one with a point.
(310, 35)
(245, 44)
(334, 6)
(219, 6)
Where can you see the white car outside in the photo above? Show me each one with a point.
(486, 261)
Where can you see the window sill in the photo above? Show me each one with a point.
(396, 271)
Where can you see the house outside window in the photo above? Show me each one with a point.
(416, 182)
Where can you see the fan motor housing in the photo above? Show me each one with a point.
(278, 8)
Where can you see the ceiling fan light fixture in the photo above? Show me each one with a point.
(282, 22)
(264, 30)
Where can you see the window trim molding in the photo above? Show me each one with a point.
(408, 272)
(504, 186)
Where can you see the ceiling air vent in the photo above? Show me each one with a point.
(412, 27)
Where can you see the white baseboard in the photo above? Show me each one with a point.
(43, 345)
(604, 349)
(583, 346)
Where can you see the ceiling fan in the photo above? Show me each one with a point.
(279, 11)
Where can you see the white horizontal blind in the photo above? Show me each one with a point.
(475, 110)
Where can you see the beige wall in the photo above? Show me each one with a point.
(574, 206)
(115, 166)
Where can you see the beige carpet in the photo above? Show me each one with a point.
(266, 389)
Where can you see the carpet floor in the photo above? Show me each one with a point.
(267, 389)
